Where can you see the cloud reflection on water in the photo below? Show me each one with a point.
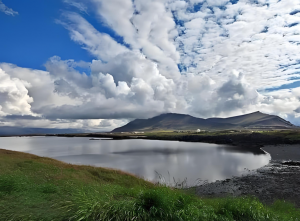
(146, 158)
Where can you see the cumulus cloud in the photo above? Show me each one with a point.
(14, 98)
(212, 98)
(200, 57)
(40, 85)
(7, 10)
(106, 94)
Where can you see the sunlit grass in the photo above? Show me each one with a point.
(35, 188)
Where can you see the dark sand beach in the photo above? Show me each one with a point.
(280, 179)
(283, 151)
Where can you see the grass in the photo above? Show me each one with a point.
(36, 188)
(293, 135)
(290, 134)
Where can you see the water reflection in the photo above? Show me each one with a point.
(146, 158)
(236, 149)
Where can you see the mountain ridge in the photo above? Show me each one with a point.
(175, 121)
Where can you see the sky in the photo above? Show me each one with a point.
(97, 64)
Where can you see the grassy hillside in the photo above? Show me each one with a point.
(172, 121)
(36, 188)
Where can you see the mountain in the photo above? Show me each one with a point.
(256, 119)
(172, 121)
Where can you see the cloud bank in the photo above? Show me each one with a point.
(204, 58)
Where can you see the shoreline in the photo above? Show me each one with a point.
(243, 139)
(283, 151)
(278, 180)
(42, 188)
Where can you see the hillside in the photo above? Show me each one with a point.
(172, 121)
(256, 119)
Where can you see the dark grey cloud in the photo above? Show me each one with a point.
(118, 110)
(105, 123)
(9, 131)
(297, 110)
(21, 117)
(62, 87)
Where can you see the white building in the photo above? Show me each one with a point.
(198, 130)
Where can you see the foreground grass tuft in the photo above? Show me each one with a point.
(35, 188)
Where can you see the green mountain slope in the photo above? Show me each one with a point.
(172, 121)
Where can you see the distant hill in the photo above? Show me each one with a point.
(172, 121)
(13, 131)
(256, 119)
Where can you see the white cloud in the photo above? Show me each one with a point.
(120, 21)
(79, 5)
(98, 44)
(7, 10)
(14, 98)
(146, 26)
(42, 87)
(24, 93)
(113, 90)
(252, 38)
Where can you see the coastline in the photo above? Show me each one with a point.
(42, 188)
(279, 180)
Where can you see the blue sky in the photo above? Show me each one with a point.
(33, 36)
(98, 63)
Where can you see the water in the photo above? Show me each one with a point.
(150, 159)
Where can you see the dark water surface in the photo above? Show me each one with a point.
(146, 158)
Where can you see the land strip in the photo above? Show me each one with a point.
(247, 139)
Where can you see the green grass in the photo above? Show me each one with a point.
(36, 188)
(288, 134)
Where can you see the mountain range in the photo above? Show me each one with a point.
(173, 121)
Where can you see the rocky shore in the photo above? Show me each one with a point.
(280, 179)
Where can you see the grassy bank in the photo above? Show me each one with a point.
(36, 188)
(289, 134)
